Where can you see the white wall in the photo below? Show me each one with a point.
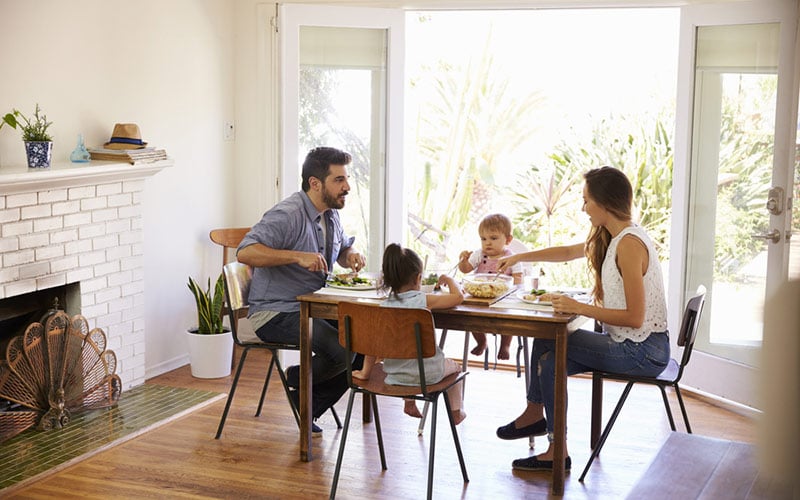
(166, 65)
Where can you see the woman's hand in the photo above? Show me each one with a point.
(504, 263)
(359, 374)
(566, 304)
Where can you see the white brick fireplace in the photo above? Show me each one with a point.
(81, 223)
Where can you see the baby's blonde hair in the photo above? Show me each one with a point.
(495, 222)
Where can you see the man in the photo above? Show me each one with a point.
(291, 250)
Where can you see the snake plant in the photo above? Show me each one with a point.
(209, 308)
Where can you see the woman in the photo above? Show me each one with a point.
(629, 302)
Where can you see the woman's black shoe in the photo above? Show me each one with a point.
(533, 463)
(510, 431)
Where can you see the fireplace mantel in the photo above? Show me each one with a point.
(20, 178)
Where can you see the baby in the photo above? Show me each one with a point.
(495, 233)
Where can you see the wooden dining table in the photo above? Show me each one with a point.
(469, 316)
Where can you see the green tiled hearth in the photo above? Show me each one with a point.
(33, 452)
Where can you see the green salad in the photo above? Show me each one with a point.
(431, 279)
(348, 280)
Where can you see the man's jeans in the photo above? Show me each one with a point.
(328, 360)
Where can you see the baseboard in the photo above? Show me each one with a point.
(166, 366)
(712, 399)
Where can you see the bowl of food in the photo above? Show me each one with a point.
(487, 286)
(428, 284)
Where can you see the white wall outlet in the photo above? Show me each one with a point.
(228, 132)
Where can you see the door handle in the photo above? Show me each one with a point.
(774, 236)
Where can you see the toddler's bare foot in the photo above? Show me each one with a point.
(410, 409)
(458, 416)
(503, 353)
(479, 349)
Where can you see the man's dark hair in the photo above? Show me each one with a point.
(318, 162)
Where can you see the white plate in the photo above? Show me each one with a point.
(360, 286)
(521, 296)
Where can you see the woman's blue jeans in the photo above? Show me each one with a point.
(329, 355)
(587, 351)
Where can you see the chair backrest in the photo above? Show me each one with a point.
(229, 239)
(690, 323)
(386, 332)
(236, 280)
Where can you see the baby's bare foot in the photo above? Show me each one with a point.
(479, 349)
(458, 416)
(410, 409)
(503, 353)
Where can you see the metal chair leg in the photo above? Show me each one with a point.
(666, 406)
(230, 394)
(266, 384)
(683, 409)
(336, 417)
(342, 442)
(607, 430)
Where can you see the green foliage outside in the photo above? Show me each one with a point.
(467, 133)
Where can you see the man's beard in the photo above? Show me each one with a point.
(332, 201)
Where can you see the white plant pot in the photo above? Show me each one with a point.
(210, 355)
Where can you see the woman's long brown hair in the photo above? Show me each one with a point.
(612, 190)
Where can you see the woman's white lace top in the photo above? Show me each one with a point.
(655, 315)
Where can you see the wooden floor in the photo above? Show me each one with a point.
(258, 457)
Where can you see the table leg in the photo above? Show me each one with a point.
(597, 409)
(305, 383)
(560, 414)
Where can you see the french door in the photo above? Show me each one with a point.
(735, 172)
(341, 86)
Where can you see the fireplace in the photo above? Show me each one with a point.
(17, 312)
(77, 229)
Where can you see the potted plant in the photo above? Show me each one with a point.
(210, 343)
(38, 143)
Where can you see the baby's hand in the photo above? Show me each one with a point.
(464, 256)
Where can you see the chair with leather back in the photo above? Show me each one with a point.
(237, 278)
(395, 333)
(668, 378)
(228, 238)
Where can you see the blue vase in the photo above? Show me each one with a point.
(80, 154)
(39, 153)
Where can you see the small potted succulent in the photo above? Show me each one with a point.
(38, 143)
(210, 343)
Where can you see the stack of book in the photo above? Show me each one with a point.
(132, 156)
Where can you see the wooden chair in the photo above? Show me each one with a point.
(229, 238)
(668, 378)
(237, 278)
(388, 332)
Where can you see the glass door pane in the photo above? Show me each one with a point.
(731, 177)
(342, 96)
(341, 74)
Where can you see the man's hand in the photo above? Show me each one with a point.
(313, 262)
(356, 261)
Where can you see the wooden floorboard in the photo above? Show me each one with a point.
(258, 457)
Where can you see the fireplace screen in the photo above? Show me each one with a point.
(55, 368)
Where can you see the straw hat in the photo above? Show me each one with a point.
(125, 136)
